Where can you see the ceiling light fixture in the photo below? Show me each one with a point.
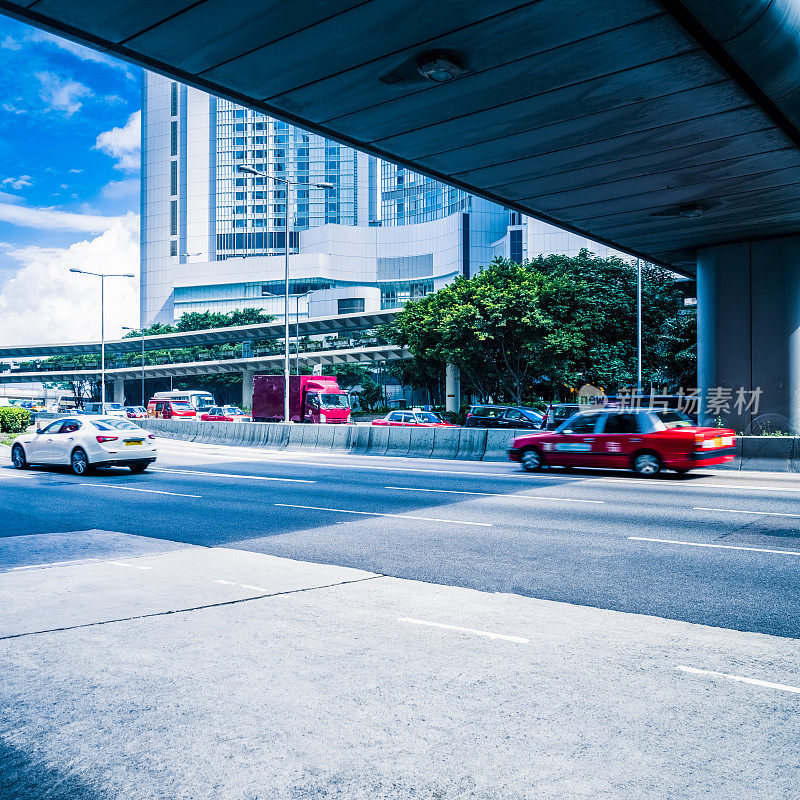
(439, 68)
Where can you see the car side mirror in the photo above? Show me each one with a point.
(39, 430)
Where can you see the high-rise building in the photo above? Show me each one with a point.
(213, 238)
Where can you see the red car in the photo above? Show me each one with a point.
(225, 414)
(644, 440)
(413, 417)
(169, 409)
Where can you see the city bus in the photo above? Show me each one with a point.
(198, 399)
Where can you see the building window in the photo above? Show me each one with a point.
(173, 218)
(174, 104)
(173, 177)
(174, 138)
(515, 245)
(351, 305)
(173, 248)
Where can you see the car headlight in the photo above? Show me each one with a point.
(322, 417)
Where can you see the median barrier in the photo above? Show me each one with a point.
(399, 441)
(378, 440)
(497, 444)
(420, 443)
(359, 438)
(263, 433)
(295, 439)
(310, 435)
(324, 436)
(775, 453)
(341, 438)
(445, 442)
(471, 444)
(278, 436)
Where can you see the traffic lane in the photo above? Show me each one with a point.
(353, 699)
(584, 555)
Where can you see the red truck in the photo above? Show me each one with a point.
(312, 398)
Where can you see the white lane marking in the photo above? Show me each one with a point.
(736, 511)
(12, 475)
(741, 679)
(378, 514)
(717, 546)
(243, 585)
(56, 564)
(495, 494)
(123, 564)
(228, 475)
(487, 634)
(133, 489)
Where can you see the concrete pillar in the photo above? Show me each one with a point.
(247, 388)
(119, 390)
(452, 391)
(748, 331)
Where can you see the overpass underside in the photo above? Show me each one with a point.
(665, 129)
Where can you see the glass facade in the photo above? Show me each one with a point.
(408, 198)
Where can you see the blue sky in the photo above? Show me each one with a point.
(69, 155)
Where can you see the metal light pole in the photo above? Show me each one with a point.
(639, 325)
(286, 344)
(126, 328)
(297, 332)
(103, 277)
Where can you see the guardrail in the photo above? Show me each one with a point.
(765, 453)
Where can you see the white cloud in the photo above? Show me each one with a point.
(123, 143)
(61, 94)
(76, 171)
(44, 302)
(78, 50)
(17, 183)
(119, 190)
(53, 219)
(12, 109)
(10, 43)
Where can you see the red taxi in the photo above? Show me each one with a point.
(170, 409)
(413, 417)
(225, 414)
(644, 440)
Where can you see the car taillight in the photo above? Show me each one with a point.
(151, 436)
(106, 438)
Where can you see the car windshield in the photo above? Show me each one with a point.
(532, 415)
(334, 401)
(232, 411)
(674, 419)
(113, 406)
(181, 405)
(108, 424)
(203, 401)
(565, 412)
(135, 409)
(426, 416)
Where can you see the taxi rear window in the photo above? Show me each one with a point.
(674, 419)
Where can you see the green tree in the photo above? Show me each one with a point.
(349, 375)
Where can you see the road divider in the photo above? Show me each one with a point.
(773, 453)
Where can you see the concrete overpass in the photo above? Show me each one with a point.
(669, 129)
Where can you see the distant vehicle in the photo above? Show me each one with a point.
(225, 414)
(502, 417)
(312, 398)
(557, 413)
(109, 410)
(645, 441)
(170, 409)
(84, 442)
(198, 399)
(414, 417)
(135, 412)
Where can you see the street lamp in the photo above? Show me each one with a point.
(126, 328)
(287, 183)
(297, 330)
(102, 324)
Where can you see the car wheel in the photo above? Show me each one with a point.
(79, 461)
(647, 464)
(531, 460)
(18, 457)
(139, 467)
(681, 471)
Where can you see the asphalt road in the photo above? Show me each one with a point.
(716, 548)
(245, 625)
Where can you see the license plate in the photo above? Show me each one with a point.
(718, 441)
(129, 442)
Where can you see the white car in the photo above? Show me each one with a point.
(84, 442)
(109, 410)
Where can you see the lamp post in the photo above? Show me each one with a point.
(287, 183)
(639, 326)
(297, 331)
(126, 328)
(103, 277)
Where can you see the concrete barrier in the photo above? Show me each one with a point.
(295, 440)
(471, 444)
(341, 438)
(378, 440)
(768, 453)
(324, 436)
(310, 434)
(359, 438)
(278, 434)
(421, 442)
(497, 444)
(399, 441)
(445, 442)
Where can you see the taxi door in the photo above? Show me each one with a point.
(575, 445)
(618, 436)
